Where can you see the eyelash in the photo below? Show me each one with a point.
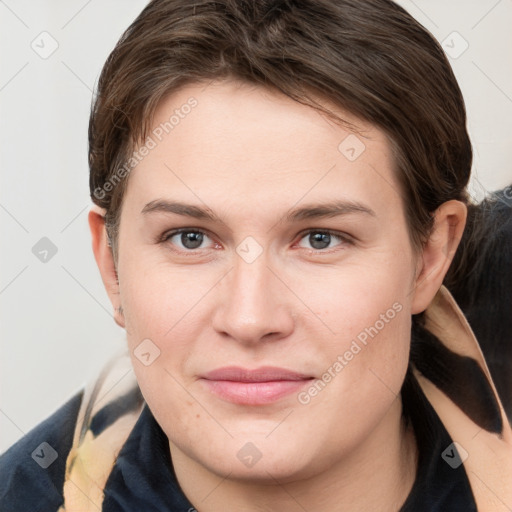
(344, 238)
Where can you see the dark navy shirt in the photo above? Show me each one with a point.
(143, 478)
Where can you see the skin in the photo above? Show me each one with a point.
(251, 156)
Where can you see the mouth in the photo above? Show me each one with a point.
(261, 386)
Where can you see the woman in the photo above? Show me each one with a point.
(279, 190)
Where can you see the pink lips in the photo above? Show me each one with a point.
(254, 387)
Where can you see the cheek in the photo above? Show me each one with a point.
(164, 310)
(363, 374)
(158, 299)
(367, 297)
(160, 324)
(366, 353)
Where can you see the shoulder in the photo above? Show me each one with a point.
(32, 470)
(441, 480)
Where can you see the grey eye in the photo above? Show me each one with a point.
(187, 239)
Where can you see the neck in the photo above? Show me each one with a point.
(378, 475)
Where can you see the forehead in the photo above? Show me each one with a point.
(246, 146)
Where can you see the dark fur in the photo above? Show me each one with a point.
(480, 279)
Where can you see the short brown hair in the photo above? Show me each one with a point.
(368, 56)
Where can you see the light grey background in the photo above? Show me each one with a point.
(56, 326)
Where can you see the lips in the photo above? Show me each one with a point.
(261, 386)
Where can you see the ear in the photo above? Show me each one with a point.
(105, 261)
(438, 253)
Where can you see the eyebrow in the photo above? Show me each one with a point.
(310, 211)
(331, 209)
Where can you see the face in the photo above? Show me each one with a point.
(271, 334)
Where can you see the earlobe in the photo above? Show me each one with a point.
(105, 261)
(438, 252)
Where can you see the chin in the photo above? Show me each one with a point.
(261, 462)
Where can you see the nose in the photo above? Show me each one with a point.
(253, 303)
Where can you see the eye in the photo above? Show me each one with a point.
(321, 239)
(189, 239)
